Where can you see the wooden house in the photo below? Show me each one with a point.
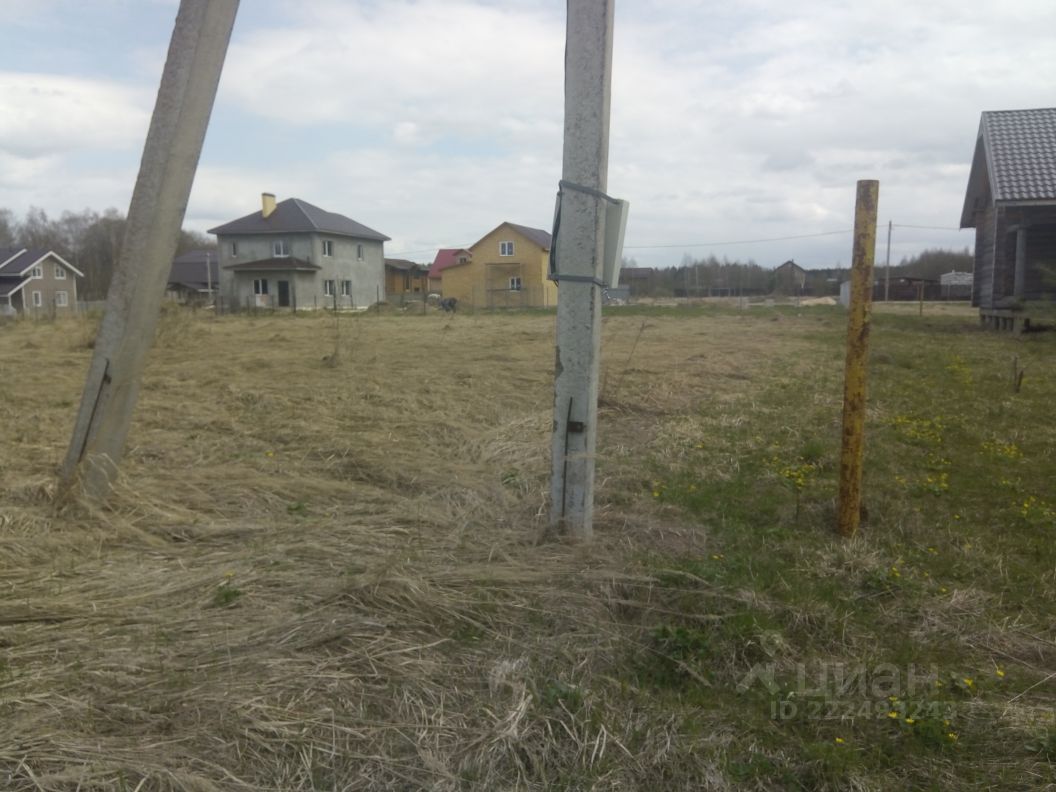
(1011, 204)
(194, 277)
(789, 278)
(405, 277)
(445, 257)
(507, 268)
(38, 283)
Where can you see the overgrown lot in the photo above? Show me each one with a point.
(326, 566)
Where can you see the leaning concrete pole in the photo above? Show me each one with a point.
(166, 172)
(579, 248)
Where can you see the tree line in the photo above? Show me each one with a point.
(89, 240)
(712, 277)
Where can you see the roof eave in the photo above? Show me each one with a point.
(64, 262)
(977, 191)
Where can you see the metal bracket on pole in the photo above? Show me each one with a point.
(615, 223)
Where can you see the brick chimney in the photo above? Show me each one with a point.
(267, 201)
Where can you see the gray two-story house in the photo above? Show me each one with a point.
(293, 255)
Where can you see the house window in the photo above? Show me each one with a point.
(463, 259)
(515, 283)
(328, 288)
(260, 286)
(346, 288)
(38, 299)
(62, 299)
(60, 273)
(38, 272)
(505, 248)
(234, 250)
(280, 248)
(328, 247)
(359, 252)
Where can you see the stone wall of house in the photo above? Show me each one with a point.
(359, 261)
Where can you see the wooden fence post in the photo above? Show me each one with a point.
(858, 321)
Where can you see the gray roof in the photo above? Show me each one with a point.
(1014, 161)
(23, 258)
(405, 265)
(188, 269)
(537, 235)
(294, 216)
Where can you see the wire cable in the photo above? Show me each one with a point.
(737, 241)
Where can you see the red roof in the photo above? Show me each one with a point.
(445, 257)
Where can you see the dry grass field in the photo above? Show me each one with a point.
(326, 565)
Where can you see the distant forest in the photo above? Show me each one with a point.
(714, 277)
(90, 241)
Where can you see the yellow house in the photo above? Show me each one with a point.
(506, 269)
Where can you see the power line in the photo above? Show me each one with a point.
(730, 242)
(927, 228)
(738, 241)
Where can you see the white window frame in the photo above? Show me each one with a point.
(234, 250)
(260, 286)
(515, 283)
(359, 251)
(328, 247)
(280, 248)
(346, 288)
(38, 299)
(506, 248)
(37, 273)
(328, 287)
(60, 272)
(62, 299)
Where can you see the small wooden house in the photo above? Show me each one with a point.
(405, 277)
(1011, 204)
(789, 278)
(445, 257)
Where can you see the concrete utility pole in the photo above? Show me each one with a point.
(580, 255)
(155, 215)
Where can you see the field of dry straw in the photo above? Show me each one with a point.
(332, 571)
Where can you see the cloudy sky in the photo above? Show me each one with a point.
(434, 120)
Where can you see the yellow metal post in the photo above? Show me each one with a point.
(850, 503)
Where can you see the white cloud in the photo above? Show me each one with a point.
(434, 120)
(45, 114)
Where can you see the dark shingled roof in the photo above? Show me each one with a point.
(294, 216)
(1015, 157)
(287, 263)
(23, 259)
(188, 269)
(537, 235)
(404, 265)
